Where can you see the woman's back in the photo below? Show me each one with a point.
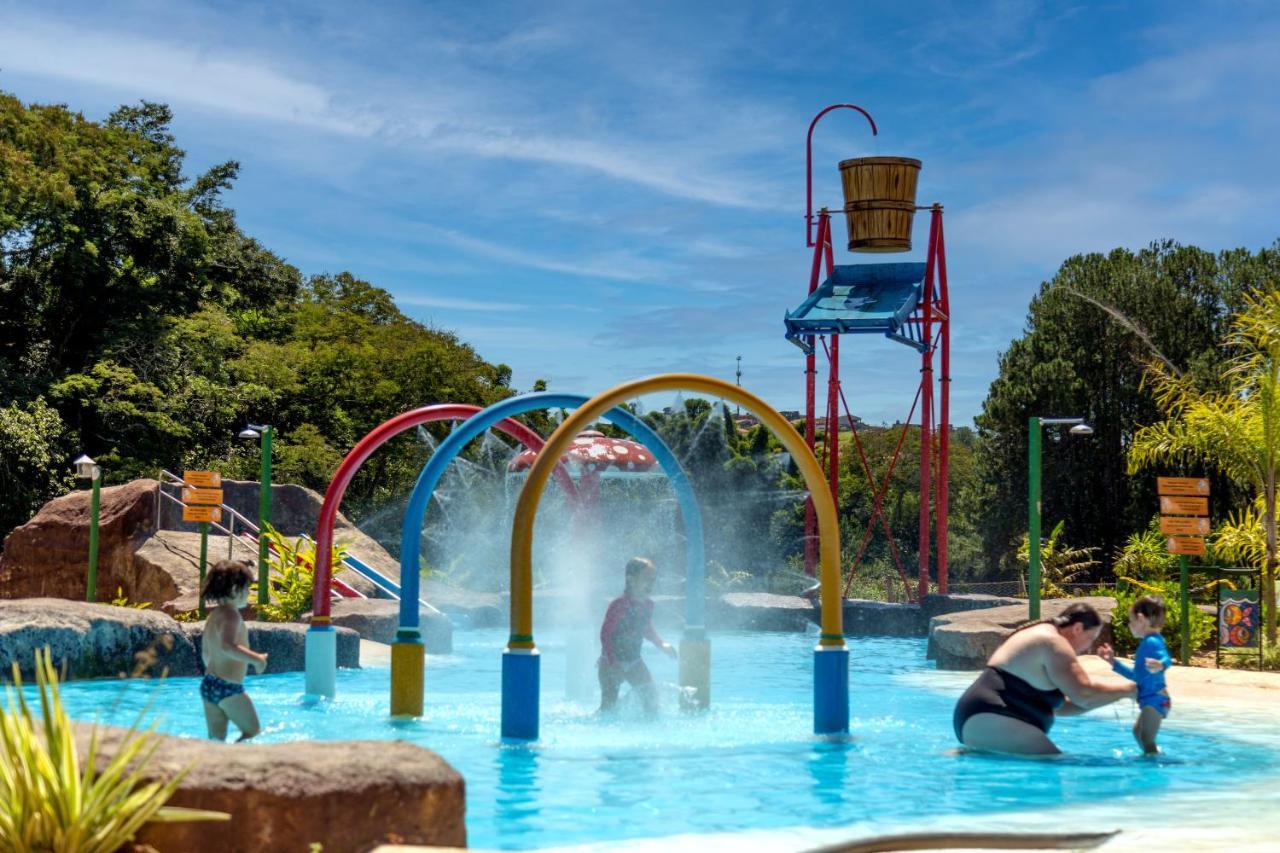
(1026, 653)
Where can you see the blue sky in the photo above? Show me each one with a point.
(593, 192)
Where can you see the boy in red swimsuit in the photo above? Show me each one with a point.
(627, 624)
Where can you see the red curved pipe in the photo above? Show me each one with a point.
(808, 164)
(365, 448)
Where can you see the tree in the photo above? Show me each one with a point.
(140, 325)
(1077, 358)
(1237, 431)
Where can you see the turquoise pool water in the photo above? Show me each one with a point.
(748, 764)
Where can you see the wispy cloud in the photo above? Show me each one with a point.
(177, 71)
(458, 304)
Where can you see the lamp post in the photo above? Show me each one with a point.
(87, 469)
(249, 433)
(1078, 427)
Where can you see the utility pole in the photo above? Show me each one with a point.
(738, 409)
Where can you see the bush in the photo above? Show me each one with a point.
(48, 802)
(290, 565)
(1126, 594)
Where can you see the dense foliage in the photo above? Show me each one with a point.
(1090, 333)
(140, 324)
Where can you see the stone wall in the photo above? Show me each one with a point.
(99, 640)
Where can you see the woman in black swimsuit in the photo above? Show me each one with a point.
(1033, 676)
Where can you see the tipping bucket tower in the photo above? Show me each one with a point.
(905, 302)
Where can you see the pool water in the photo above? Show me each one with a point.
(750, 763)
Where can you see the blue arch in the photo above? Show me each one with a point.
(474, 426)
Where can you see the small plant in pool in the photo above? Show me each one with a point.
(48, 801)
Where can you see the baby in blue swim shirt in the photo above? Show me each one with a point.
(1146, 619)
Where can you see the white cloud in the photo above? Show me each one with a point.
(177, 71)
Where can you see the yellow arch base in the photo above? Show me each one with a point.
(558, 443)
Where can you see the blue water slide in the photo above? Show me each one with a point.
(473, 427)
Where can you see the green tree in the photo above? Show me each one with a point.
(139, 324)
(1237, 431)
(1090, 332)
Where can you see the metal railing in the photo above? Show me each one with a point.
(248, 539)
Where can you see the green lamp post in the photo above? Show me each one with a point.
(1078, 427)
(87, 469)
(264, 432)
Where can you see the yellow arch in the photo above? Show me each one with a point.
(557, 444)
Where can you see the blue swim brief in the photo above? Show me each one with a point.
(1160, 701)
(214, 689)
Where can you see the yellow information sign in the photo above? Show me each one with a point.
(1184, 506)
(1183, 486)
(202, 496)
(203, 479)
(1190, 546)
(202, 513)
(1176, 526)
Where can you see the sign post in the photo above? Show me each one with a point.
(201, 501)
(1184, 511)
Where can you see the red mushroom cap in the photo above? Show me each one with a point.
(595, 451)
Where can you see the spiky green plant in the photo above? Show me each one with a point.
(1060, 564)
(50, 802)
(1237, 432)
(291, 563)
(1145, 555)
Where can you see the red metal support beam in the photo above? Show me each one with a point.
(926, 412)
(944, 412)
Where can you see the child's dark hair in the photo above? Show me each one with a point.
(226, 578)
(1150, 606)
(637, 566)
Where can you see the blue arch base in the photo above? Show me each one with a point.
(472, 428)
(831, 690)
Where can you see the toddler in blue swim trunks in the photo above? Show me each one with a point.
(1146, 619)
(224, 647)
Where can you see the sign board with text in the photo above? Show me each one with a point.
(1176, 526)
(203, 479)
(1184, 506)
(202, 513)
(1188, 546)
(202, 496)
(1195, 486)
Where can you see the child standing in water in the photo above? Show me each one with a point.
(226, 653)
(1146, 619)
(627, 623)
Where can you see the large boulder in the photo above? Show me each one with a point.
(49, 555)
(143, 562)
(937, 604)
(470, 608)
(864, 618)
(760, 611)
(344, 795)
(285, 644)
(93, 640)
(378, 619)
(966, 639)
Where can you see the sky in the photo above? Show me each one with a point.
(595, 192)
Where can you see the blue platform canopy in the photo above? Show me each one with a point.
(861, 299)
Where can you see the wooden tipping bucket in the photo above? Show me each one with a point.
(879, 202)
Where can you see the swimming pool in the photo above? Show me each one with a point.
(750, 764)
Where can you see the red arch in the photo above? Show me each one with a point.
(377, 437)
